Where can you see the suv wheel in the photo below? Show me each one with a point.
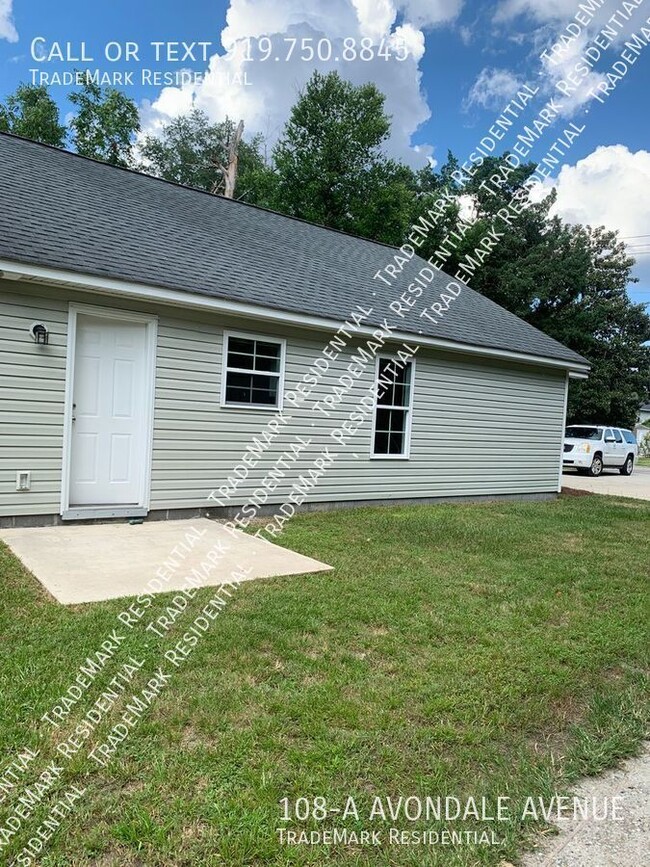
(628, 466)
(596, 467)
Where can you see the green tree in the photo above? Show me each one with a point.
(570, 281)
(609, 329)
(191, 149)
(330, 165)
(105, 124)
(31, 112)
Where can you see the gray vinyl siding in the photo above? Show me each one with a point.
(32, 388)
(479, 426)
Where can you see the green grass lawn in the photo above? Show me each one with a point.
(643, 462)
(496, 649)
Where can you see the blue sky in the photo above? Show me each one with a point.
(466, 59)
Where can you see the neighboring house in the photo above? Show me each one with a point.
(178, 323)
(644, 413)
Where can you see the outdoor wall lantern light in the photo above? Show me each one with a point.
(39, 333)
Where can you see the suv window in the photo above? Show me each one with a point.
(629, 437)
(617, 436)
(583, 433)
(608, 435)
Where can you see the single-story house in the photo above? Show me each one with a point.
(164, 351)
(644, 413)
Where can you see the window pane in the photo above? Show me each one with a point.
(265, 390)
(272, 350)
(251, 389)
(382, 419)
(264, 398)
(394, 384)
(397, 420)
(237, 395)
(386, 396)
(238, 388)
(267, 356)
(239, 380)
(381, 443)
(400, 395)
(396, 443)
(263, 362)
(235, 359)
(241, 345)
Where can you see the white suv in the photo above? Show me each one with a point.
(591, 448)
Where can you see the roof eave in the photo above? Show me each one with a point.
(11, 270)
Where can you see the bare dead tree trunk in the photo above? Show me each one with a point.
(229, 171)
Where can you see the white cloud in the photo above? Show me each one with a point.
(7, 29)
(552, 18)
(557, 69)
(263, 97)
(430, 13)
(610, 187)
(540, 10)
(375, 17)
(493, 89)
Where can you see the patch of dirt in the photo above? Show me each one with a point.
(117, 858)
(570, 541)
(575, 492)
(191, 739)
(567, 710)
(132, 786)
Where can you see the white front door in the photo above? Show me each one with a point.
(109, 433)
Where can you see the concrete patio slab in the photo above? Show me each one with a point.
(92, 563)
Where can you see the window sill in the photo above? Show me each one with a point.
(251, 406)
(390, 457)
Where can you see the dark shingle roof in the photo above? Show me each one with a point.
(63, 211)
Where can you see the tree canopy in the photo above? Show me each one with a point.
(191, 149)
(32, 113)
(330, 166)
(570, 281)
(105, 124)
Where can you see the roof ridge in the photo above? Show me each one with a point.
(141, 174)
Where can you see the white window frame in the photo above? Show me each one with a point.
(267, 338)
(406, 454)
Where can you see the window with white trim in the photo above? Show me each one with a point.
(253, 371)
(393, 408)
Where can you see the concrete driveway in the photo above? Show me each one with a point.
(603, 841)
(613, 483)
(90, 563)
